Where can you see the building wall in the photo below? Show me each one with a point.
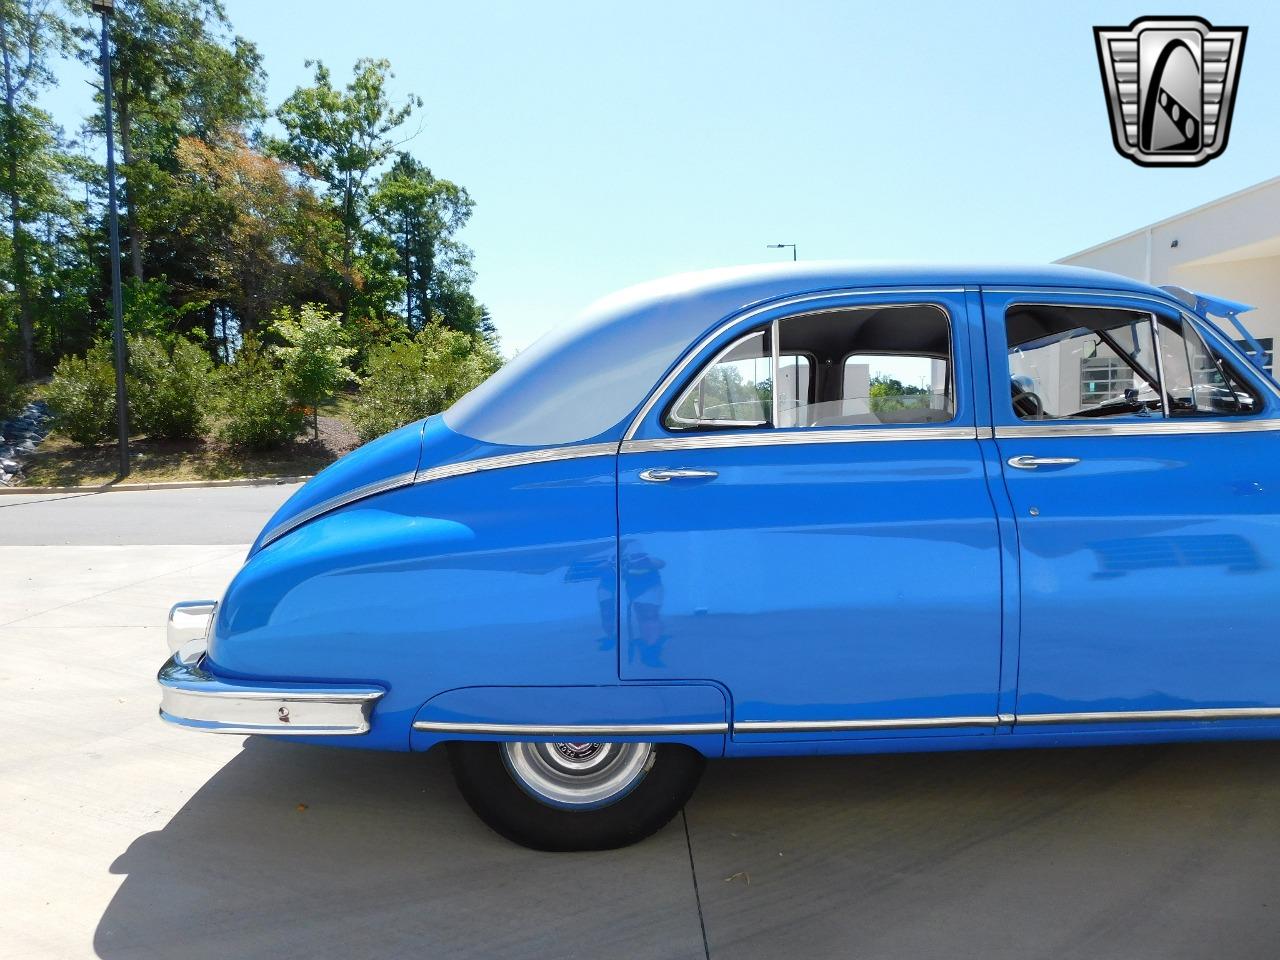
(1230, 247)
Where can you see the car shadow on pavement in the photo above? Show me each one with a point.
(293, 850)
(1111, 852)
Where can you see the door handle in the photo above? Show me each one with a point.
(1031, 463)
(663, 476)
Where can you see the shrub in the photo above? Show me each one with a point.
(168, 388)
(413, 379)
(258, 411)
(315, 356)
(82, 395)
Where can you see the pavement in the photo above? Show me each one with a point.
(123, 838)
(197, 515)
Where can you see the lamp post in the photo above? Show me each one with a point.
(783, 246)
(106, 8)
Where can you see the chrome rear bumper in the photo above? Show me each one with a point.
(194, 698)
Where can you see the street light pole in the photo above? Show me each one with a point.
(106, 8)
(782, 246)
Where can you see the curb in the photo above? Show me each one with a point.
(172, 485)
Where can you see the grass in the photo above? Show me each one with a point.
(61, 463)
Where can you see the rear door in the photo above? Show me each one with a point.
(828, 554)
(1146, 487)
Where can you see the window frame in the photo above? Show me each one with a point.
(773, 328)
(1154, 313)
(678, 425)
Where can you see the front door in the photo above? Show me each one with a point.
(1142, 459)
(805, 519)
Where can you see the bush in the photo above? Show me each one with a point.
(168, 388)
(82, 395)
(413, 379)
(259, 412)
(315, 358)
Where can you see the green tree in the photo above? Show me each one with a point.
(888, 393)
(30, 31)
(263, 236)
(421, 215)
(176, 70)
(339, 138)
(314, 356)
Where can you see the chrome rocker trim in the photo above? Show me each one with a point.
(571, 730)
(1150, 716)
(192, 697)
(758, 727)
(838, 726)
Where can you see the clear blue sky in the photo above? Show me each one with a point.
(606, 146)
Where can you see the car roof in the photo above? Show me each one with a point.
(584, 380)
(744, 285)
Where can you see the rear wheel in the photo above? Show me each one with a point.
(575, 796)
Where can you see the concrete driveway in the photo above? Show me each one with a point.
(121, 837)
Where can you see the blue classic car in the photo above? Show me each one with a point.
(778, 510)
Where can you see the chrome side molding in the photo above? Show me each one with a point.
(570, 729)
(1150, 716)
(838, 726)
(335, 503)
(541, 455)
(761, 727)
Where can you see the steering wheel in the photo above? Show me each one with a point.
(1026, 403)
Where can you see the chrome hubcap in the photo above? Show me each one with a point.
(577, 774)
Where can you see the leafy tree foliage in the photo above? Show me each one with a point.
(330, 238)
(30, 30)
(416, 378)
(82, 395)
(253, 399)
(168, 388)
(339, 138)
(314, 357)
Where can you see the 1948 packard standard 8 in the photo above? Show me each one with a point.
(782, 510)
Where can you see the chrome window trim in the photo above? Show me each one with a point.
(1080, 428)
(719, 356)
(743, 318)
(570, 729)
(524, 457)
(334, 503)
(790, 437)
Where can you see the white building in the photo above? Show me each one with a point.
(1229, 247)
